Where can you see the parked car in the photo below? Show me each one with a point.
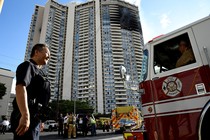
(126, 124)
(50, 125)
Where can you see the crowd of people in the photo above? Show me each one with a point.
(69, 125)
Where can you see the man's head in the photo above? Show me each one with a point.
(183, 46)
(40, 54)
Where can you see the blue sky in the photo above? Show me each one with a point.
(157, 17)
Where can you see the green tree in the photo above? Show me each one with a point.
(67, 106)
(2, 90)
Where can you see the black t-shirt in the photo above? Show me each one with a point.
(36, 82)
(38, 93)
(60, 120)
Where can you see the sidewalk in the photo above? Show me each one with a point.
(99, 133)
(54, 135)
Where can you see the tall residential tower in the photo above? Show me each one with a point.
(88, 43)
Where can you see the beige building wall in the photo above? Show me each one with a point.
(6, 77)
(100, 103)
(67, 80)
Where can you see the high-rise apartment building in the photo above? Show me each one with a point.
(88, 43)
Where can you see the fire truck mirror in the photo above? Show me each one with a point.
(141, 91)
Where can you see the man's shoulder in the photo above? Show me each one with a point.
(26, 65)
(189, 53)
(23, 66)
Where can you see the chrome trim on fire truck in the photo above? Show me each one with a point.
(173, 99)
(201, 119)
(206, 54)
(200, 88)
(181, 105)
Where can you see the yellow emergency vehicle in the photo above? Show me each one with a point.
(126, 117)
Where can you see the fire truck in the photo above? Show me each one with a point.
(176, 97)
(126, 117)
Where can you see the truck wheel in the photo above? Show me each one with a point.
(205, 127)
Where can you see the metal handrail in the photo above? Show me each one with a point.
(206, 54)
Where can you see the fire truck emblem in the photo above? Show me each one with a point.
(172, 86)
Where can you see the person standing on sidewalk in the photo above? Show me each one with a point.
(66, 127)
(93, 126)
(60, 125)
(84, 125)
(32, 94)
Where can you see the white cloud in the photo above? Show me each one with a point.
(164, 21)
(148, 33)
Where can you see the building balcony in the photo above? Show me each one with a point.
(118, 62)
(83, 98)
(118, 86)
(83, 76)
(118, 54)
(83, 56)
(120, 92)
(120, 98)
(117, 43)
(121, 103)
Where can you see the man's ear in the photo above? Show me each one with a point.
(36, 52)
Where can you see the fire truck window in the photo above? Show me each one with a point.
(144, 67)
(173, 53)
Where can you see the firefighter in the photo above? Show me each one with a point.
(72, 125)
(103, 125)
(187, 56)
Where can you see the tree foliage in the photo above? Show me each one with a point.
(2, 90)
(67, 106)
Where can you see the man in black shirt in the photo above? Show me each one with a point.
(60, 125)
(32, 91)
(84, 125)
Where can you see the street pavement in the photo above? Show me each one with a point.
(54, 136)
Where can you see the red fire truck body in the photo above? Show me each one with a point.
(176, 99)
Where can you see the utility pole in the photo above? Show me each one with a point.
(74, 104)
